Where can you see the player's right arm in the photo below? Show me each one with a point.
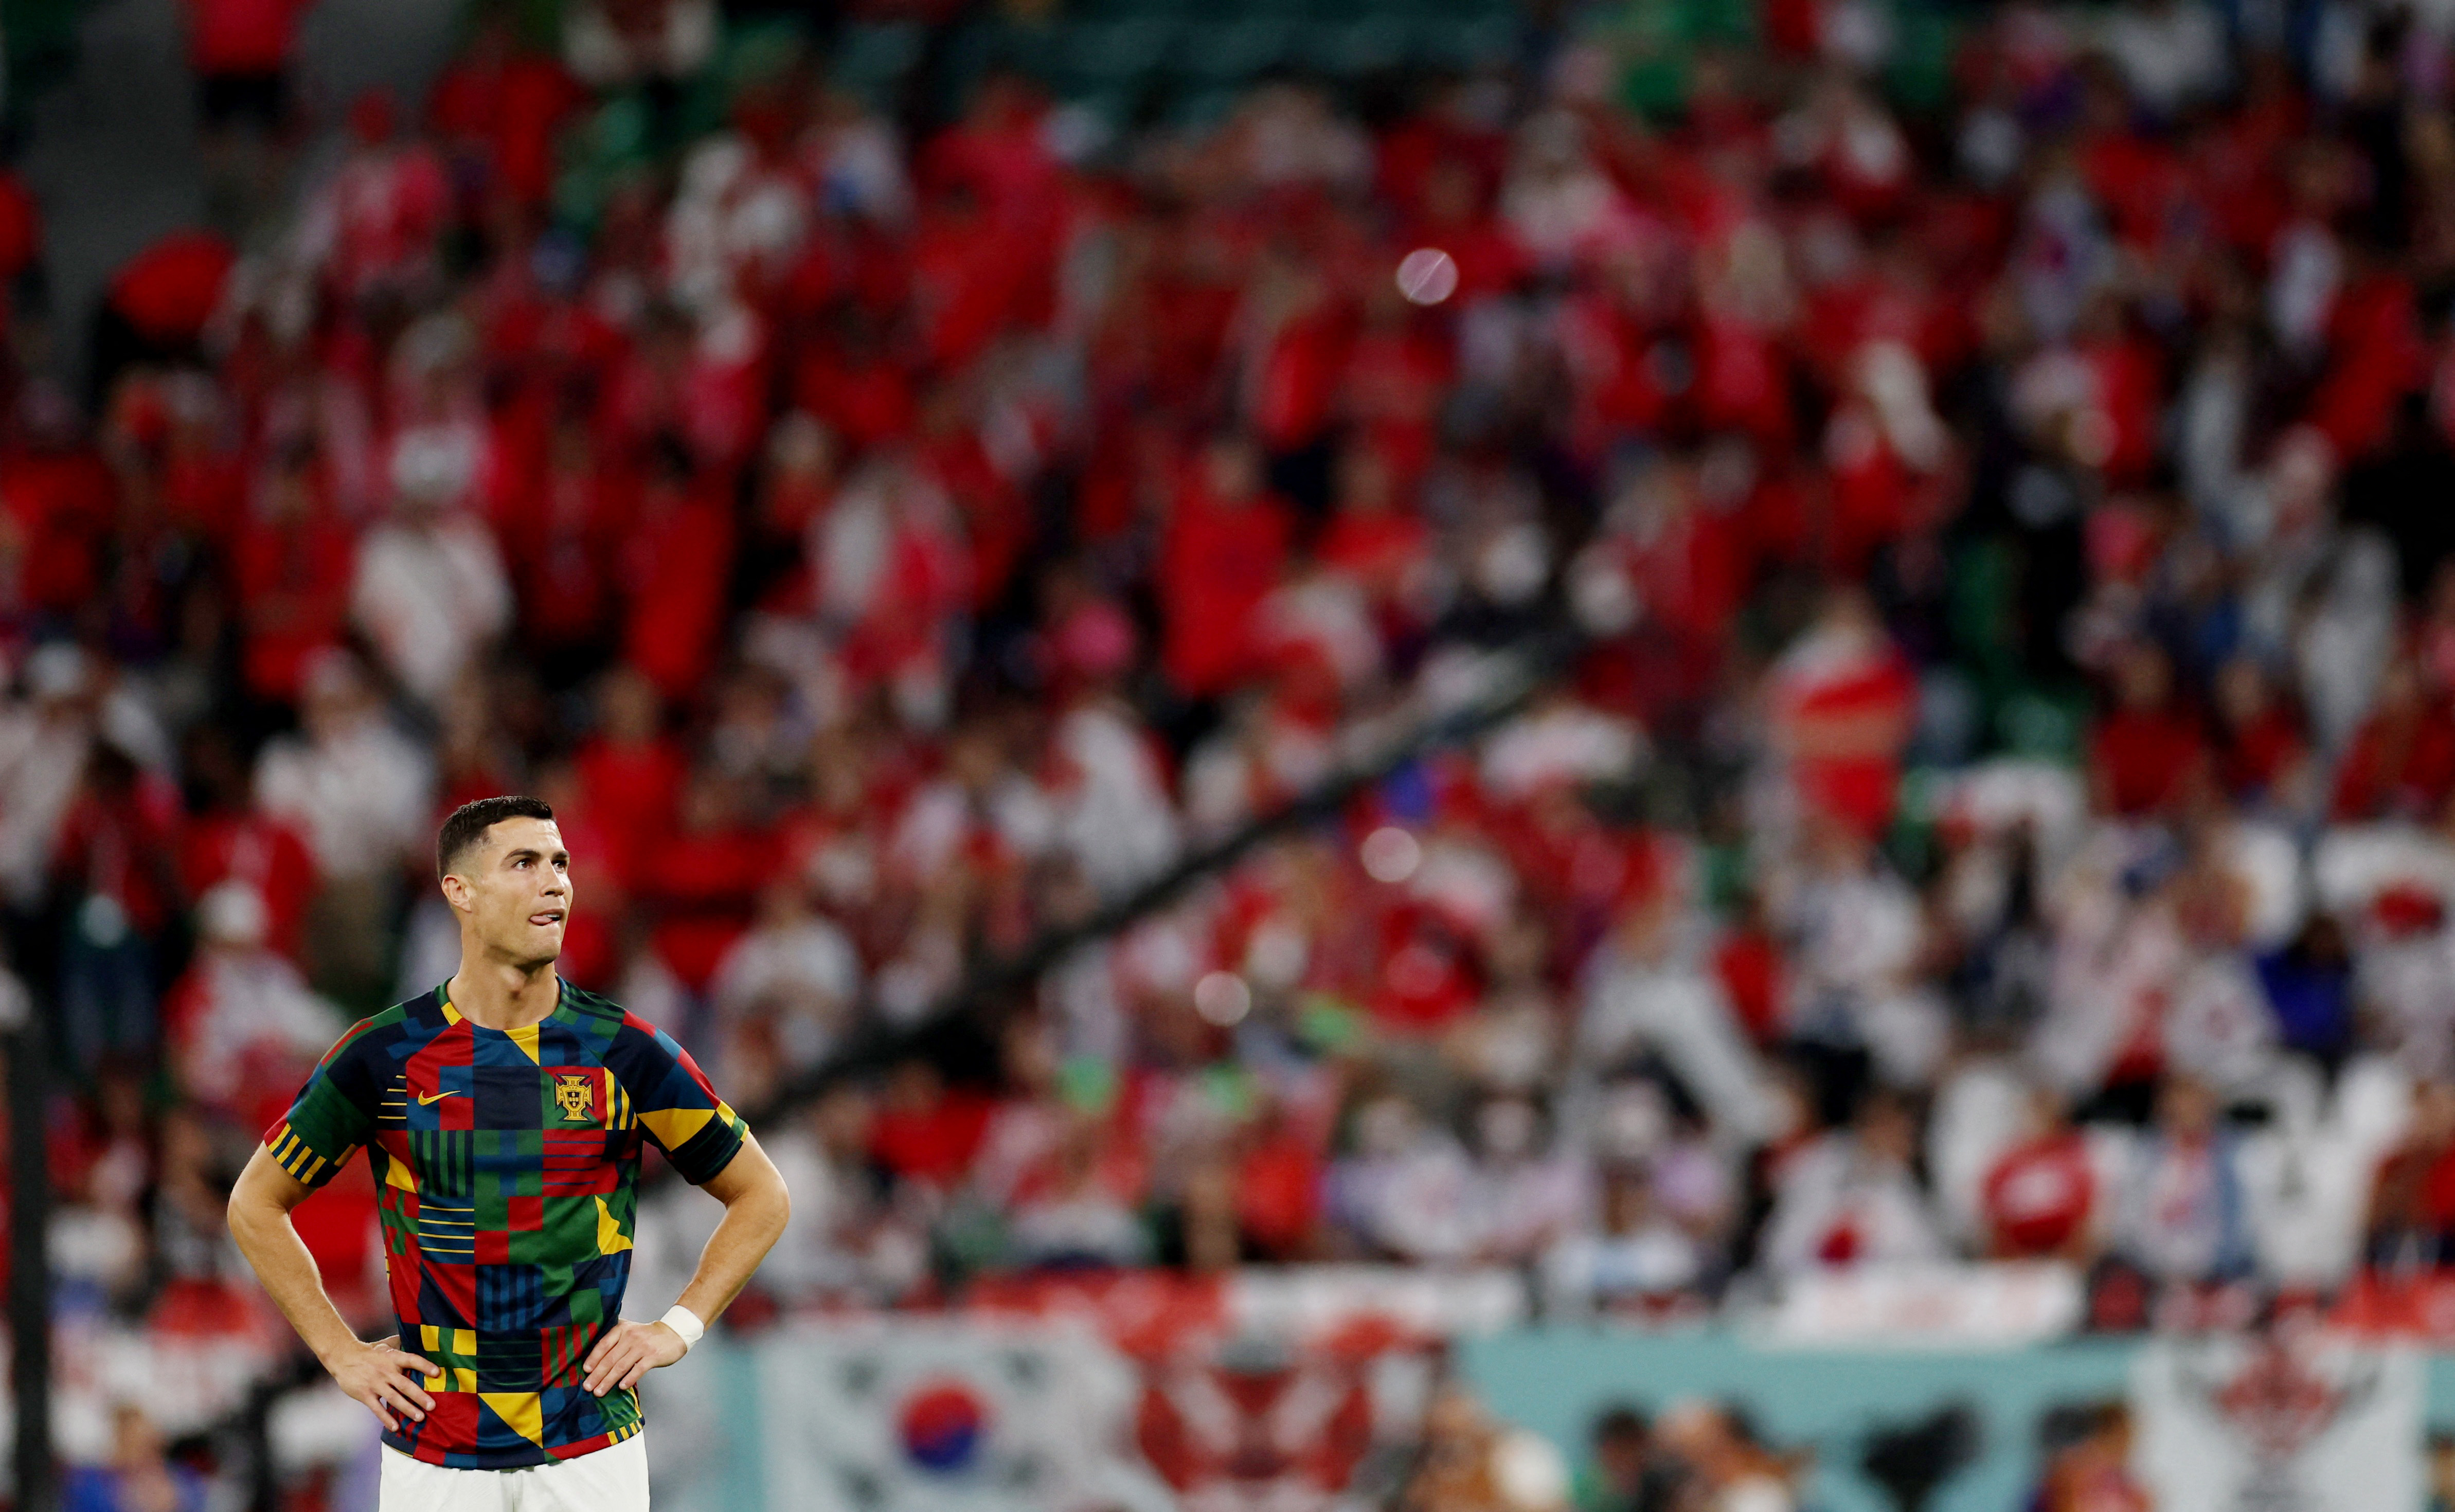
(334, 1115)
(378, 1375)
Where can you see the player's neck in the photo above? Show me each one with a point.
(496, 994)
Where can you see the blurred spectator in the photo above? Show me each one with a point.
(116, 876)
(1852, 1197)
(159, 302)
(1619, 1475)
(45, 740)
(138, 1477)
(358, 790)
(1636, 1258)
(1225, 546)
(2040, 1196)
(2089, 1470)
(2145, 753)
(20, 238)
(1719, 1462)
(504, 106)
(790, 980)
(430, 591)
(242, 1023)
(617, 43)
(847, 1240)
(2180, 1212)
(2411, 1221)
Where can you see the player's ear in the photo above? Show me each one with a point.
(457, 892)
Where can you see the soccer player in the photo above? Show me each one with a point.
(502, 1114)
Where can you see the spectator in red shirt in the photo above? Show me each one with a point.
(704, 880)
(1278, 1187)
(2411, 1220)
(2261, 756)
(156, 304)
(58, 502)
(1844, 701)
(2040, 1197)
(564, 543)
(1748, 959)
(295, 562)
(1223, 550)
(501, 107)
(116, 872)
(925, 1131)
(678, 551)
(2402, 761)
(241, 50)
(2145, 754)
(227, 838)
(631, 771)
(21, 237)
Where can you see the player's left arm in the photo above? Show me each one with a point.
(756, 1208)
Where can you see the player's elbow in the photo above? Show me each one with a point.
(260, 1200)
(764, 1200)
(775, 1201)
(751, 1187)
(246, 1215)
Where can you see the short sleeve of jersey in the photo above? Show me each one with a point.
(673, 1103)
(331, 1117)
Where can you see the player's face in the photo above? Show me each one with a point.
(519, 889)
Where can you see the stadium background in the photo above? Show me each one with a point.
(1414, 752)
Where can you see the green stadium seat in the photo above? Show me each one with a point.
(873, 59)
(1355, 49)
(1093, 56)
(1228, 52)
(1465, 41)
(1201, 109)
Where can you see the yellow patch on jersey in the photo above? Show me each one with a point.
(674, 1127)
(610, 1238)
(523, 1412)
(525, 1038)
(434, 1342)
(396, 1172)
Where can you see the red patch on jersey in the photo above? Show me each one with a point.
(575, 1164)
(452, 1421)
(401, 1271)
(458, 1284)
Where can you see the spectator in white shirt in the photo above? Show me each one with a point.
(430, 591)
(1636, 1255)
(359, 792)
(2181, 1211)
(43, 746)
(1851, 1198)
(793, 971)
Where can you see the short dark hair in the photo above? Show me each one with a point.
(471, 820)
(1619, 1422)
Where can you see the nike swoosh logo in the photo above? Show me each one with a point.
(423, 1101)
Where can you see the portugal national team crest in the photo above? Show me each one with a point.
(576, 1091)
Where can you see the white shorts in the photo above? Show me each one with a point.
(613, 1480)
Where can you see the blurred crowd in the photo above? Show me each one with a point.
(1998, 807)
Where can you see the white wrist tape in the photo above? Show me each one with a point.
(685, 1323)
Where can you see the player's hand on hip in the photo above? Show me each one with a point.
(628, 1351)
(385, 1379)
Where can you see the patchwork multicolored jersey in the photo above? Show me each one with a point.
(507, 1169)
